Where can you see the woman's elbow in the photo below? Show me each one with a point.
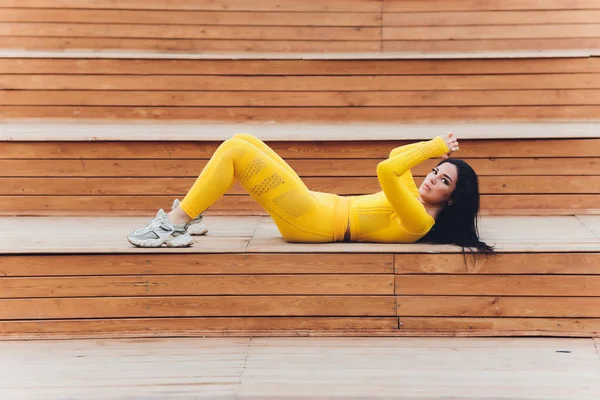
(383, 170)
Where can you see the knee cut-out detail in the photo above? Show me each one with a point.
(268, 184)
(252, 169)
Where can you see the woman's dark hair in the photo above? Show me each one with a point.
(457, 223)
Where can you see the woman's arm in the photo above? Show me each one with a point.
(390, 174)
(407, 178)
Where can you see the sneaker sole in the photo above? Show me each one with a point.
(182, 241)
(197, 230)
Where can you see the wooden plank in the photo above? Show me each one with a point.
(201, 132)
(165, 17)
(165, 186)
(507, 306)
(142, 205)
(491, 5)
(459, 18)
(539, 205)
(487, 32)
(498, 285)
(298, 326)
(300, 83)
(194, 306)
(539, 185)
(207, 32)
(167, 326)
(228, 5)
(191, 285)
(300, 99)
(302, 114)
(337, 185)
(187, 45)
(487, 45)
(592, 223)
(495, 326)
(304, 167)
(185, 264)
(499, 148)
(550, 263)
(75, 66)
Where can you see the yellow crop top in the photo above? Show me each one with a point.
(395, 215)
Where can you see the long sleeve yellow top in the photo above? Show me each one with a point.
(395, 215)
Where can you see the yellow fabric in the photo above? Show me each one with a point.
(395, 215)
(302, 215)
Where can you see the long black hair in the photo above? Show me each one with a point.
(457, 223)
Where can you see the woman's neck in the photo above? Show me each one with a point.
(431, 209)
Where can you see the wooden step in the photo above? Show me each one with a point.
(479, 91)
(410, 28)
(79, 277)
(53, 175)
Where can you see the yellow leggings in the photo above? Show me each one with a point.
(301, 215)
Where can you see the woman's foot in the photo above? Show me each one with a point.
(161, 231)
(195, 227)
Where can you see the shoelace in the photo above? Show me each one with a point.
(157, 223)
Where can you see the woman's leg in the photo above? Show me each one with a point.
(268, 151)
(299, 215)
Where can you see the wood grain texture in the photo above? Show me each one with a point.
(315, 114)
(482, 45)
(190, 5)
(142, 205)
(338, 185)
(491, 32)
(187, 264)
(300, 99)
(498, 306)
(476, 17)
(169, 17)
(90, 66)
(300, 83)
(328, 149)
(189, 45)
(507, 326)
(493, 5)
(304, 167)
(192, 306)
(499, 285)
(156, 327)
(546, 264)
(194, 285)
(211, 32)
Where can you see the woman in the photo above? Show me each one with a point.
(442, 210)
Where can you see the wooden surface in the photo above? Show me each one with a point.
(389, 55)
(178, 132)
(253, 234)
(517, 176)
(489, 369)
(328, 26)
(292, 91)
(78, 277)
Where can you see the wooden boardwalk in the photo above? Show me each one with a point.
(302, 368)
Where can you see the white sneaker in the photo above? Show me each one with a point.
(161, 231)
(195, 227)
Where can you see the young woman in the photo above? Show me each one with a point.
(444, 209)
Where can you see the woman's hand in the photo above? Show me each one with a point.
(452, 143)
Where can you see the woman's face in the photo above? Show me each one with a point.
(439, 184)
